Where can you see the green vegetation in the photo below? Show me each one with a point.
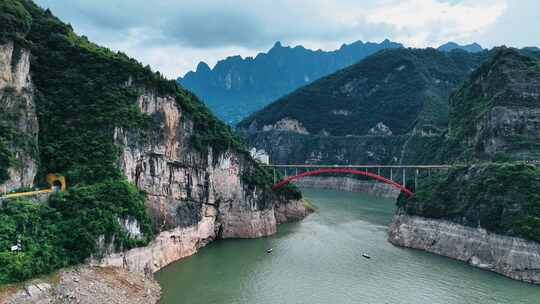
(15, 21)
(262, 178)
(83, 97)
(208, 130)
(83, 93)
(500, 197)
(403, 88)
(69, 230)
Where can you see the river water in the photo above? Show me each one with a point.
(319, 261)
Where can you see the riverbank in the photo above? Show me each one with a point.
(512, 257)
(173, 245)
(85, 285)
(319, 261)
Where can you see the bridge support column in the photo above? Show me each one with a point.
(274, 169)
(403, 177)
(391, 174)
(416, 180)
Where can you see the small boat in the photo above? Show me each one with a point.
(269, 250)
(365, 255)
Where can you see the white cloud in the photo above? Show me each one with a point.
(430, 22)
(173, 36)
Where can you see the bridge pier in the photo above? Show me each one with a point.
(416, 180)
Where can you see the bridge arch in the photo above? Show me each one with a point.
(343, 170)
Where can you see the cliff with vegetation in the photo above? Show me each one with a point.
(486, 213)
(150, 171)
(389, 108)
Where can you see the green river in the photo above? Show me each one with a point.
(319, 261)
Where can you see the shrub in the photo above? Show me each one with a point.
(68, 231)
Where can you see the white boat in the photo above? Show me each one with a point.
(365, 255)
(269, 250)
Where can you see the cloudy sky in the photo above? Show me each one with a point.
(173, 36)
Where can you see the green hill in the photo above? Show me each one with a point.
(400, 88)
(82, 96)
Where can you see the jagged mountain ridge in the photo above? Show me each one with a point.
(236, 87)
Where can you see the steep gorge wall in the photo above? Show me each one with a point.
(193, 197)
(18, 119)
(513, 257)
(419, 147)
(486, 214)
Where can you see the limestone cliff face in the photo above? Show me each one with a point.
(498, 110)
(193, 197)
(17, 111)
(285, 147)
(349, 184)
(513, 257)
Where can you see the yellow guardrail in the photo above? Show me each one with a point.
(29, 193)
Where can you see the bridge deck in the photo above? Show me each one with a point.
(363, 166)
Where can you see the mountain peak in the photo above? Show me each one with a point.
(202, 67)
(235, 88)
(450, 46)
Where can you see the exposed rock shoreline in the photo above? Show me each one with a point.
(173, 245)
(512, 257)
(349, 184)
(86, 285)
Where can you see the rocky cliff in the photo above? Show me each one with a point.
(18, 119)
(391, 107)
(152, 174)
(193, 197)
(286, 147)
(513, 257)
(486, 214)
(497, 111)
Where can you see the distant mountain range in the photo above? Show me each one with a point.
(236, 87)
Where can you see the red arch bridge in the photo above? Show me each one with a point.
(394, 175)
